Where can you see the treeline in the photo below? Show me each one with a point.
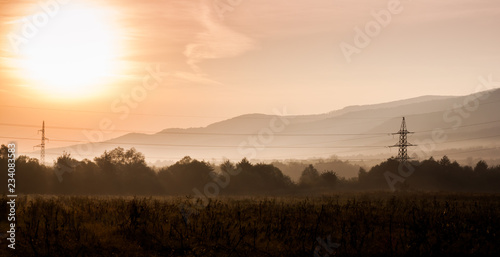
(432, 175)
(121, 171)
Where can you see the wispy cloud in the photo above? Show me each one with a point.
(216, 41)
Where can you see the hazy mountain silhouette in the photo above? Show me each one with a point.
(360, 132)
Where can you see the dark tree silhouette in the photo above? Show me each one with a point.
(121, 171)
(310, 177)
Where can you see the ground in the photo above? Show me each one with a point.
(344, 224)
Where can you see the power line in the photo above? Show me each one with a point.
(476, 150)
(198, 146)
(198, 133)
(462, 126)
(226, 146)
(460, 140)
(400, 155)
(342, 140)
(237, 134)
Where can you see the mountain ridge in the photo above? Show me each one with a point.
(353, 130)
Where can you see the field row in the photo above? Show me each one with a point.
(379, 224)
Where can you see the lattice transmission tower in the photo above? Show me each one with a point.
(42, 145)
(403, 142)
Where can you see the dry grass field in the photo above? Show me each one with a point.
(346, 224)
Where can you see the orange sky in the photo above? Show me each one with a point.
(134, 66)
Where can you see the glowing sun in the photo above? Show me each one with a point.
(75, 55)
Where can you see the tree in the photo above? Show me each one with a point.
(64, 165)
(126, 171)
(119, 156)
(227, 166)
(481, 167)
(362, 174)
(105, 163)
(309, 177)
(31, 176)
(445, 161)
(244, 164)
(329, 178)
(4, 152)
(185, 175)
(118, 159)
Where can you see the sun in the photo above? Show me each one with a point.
(74, 56)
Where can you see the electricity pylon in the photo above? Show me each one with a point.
(42, 145)
(403, 142)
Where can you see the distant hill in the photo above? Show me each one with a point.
(354, 132)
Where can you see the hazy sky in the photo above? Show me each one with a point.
(148, 65)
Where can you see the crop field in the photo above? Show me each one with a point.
(345, 224)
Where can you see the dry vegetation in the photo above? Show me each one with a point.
(376, 224)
